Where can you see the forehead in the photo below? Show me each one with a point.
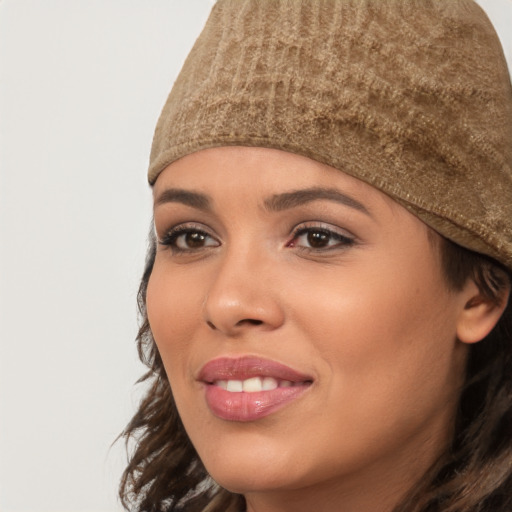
(258, 171)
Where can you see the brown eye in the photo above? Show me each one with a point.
(191, 240)
(184, 239)
(318, 239)
(194, 240)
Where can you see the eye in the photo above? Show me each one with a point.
(319, 238)
(188, 239)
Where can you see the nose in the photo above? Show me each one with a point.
(243, 295)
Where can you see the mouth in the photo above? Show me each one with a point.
(254, 384)
(249, 388)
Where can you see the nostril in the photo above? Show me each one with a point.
(241, 323)
(249, 321)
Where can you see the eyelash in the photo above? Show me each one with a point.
(171, 239)
(342, 241)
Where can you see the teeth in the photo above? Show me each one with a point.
(253, 385)
(269, 384)
(222, 384)
(235, 386)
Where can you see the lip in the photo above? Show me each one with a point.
(242, 406)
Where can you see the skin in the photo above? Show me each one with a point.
(367, 315)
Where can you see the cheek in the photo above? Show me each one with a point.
(173, 314)
(388, 352)
(388, 337)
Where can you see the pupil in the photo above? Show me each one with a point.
(318, 239)
(195, 240)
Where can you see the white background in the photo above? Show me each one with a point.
(81, 85)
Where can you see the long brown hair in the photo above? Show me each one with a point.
(165, 474)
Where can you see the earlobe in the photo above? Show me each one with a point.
(479, 315)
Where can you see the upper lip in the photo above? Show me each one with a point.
(241, 368)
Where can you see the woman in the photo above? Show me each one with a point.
(325, 299)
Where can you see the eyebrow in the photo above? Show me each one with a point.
(275, 203)
(177, 195)
(296, 198)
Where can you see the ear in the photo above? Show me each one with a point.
(479, 314)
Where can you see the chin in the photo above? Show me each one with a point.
(243, 478)
(250, 462)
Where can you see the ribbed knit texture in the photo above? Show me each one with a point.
(410, 96)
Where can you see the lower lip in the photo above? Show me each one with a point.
(250, 406)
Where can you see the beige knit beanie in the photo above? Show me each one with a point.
(410, 96)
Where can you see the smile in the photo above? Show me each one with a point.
(249, 388)
(253, 385)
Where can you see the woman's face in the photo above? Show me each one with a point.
(304, 324)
